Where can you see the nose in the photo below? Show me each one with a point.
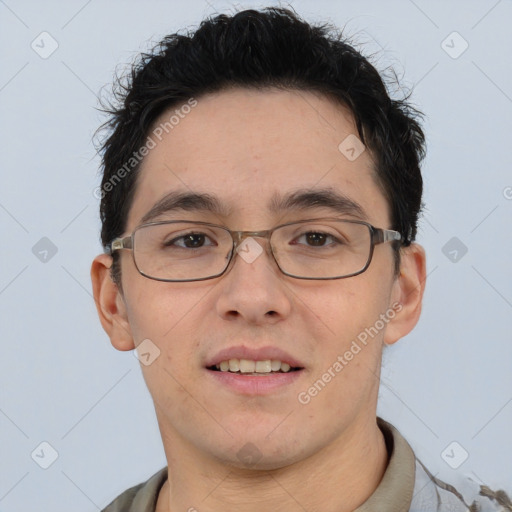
(253, 288)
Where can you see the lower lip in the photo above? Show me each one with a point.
(255, 385)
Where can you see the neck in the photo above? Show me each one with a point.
(339, 478)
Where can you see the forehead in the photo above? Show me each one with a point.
(251, 150)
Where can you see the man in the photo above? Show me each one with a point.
(260, 199)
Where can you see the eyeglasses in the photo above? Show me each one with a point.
(178, 250)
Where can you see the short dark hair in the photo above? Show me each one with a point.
(270, 48)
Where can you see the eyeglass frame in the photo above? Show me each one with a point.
(377, 236)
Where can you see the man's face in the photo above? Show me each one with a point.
(245, 148)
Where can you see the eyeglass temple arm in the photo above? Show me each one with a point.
(382, 236)
(119, 243)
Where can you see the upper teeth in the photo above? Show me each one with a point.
(248, 366)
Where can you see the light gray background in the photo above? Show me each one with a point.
(63, 383)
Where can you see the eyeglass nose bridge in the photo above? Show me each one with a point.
(239, 236)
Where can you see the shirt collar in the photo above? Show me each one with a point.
(394, 493)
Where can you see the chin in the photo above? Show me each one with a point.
(254, 457)
(261, 451)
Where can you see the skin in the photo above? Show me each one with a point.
(244, 146)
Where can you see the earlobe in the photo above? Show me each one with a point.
(407, 293)
(110, 304)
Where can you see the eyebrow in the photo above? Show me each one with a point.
(186, 201)
(311, 199)
(299, 200)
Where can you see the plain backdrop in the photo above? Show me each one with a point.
(63, 384)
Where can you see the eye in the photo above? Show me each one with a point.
(189, 241)
(316, 239)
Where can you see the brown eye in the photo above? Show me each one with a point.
(189, 241)
(315, 239)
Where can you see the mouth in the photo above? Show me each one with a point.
(250, 367)
(249, 371)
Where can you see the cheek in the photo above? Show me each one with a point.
(156, 308)
(171, 391)
(350, 306)
(351, 343)
(166, 318)
(346, 373)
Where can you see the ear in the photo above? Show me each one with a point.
(110, 304)
(407, 293)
